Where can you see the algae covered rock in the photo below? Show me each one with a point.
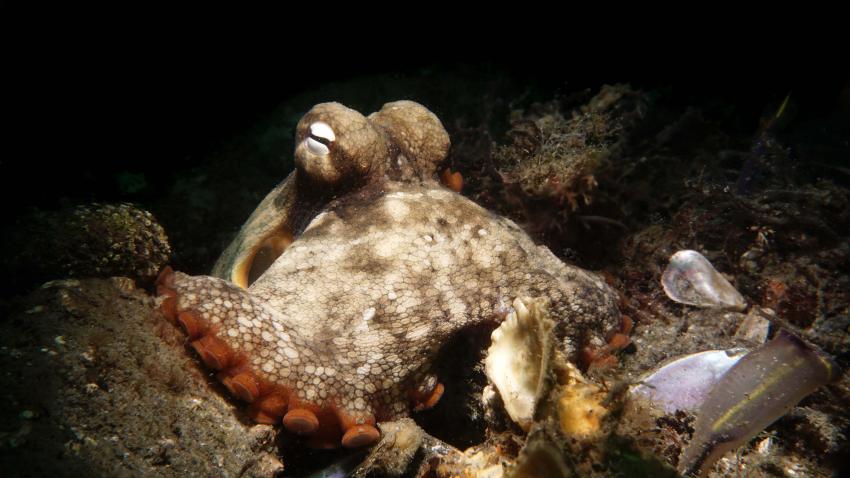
(95, 385)
(92, 240)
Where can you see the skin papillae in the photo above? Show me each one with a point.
(328, 309)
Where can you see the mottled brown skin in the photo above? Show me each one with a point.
(340, 331)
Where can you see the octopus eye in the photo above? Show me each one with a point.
(321, 136)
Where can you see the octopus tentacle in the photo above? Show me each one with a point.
(209, 310)
(427, 394)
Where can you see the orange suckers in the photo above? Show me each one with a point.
(269, 408)
(427, 394)
(213, 351)
(359, 430)
(301, 421)
(244, 385)
(452, 180)
(164, 281)
(192, 325)
(325, 425)
(360, 435)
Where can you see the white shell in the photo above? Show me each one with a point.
(513, 362)
(322, 130)
(316, 147)
(683, 383)
(690, 279)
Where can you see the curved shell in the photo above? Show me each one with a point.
(691, 279)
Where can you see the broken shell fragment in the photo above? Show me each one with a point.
(756, 325)
(761, 387)
(518, 359)
(683, 383)
(690, 279)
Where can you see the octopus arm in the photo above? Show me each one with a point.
(328, 392)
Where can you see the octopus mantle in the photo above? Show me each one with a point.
(341, 329)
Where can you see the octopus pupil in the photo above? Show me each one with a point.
(324, 141)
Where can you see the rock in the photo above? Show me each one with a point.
(91, 240)
(98, 384)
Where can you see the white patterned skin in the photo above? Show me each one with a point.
(353, 312)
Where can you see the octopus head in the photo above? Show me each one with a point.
(338, 152)
(336, 145)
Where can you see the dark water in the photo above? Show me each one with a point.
(92, 128)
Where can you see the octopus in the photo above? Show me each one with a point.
(327, 311)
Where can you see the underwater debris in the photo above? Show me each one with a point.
(546, 395)
(690, 279)
(755, 327)
(579, 404)
(551, 153)
(763, 386)
(540, 457)
(484, 461)
(518, 359)
(341, 468)
(553, 157)
(393, 454)
(684, 383)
